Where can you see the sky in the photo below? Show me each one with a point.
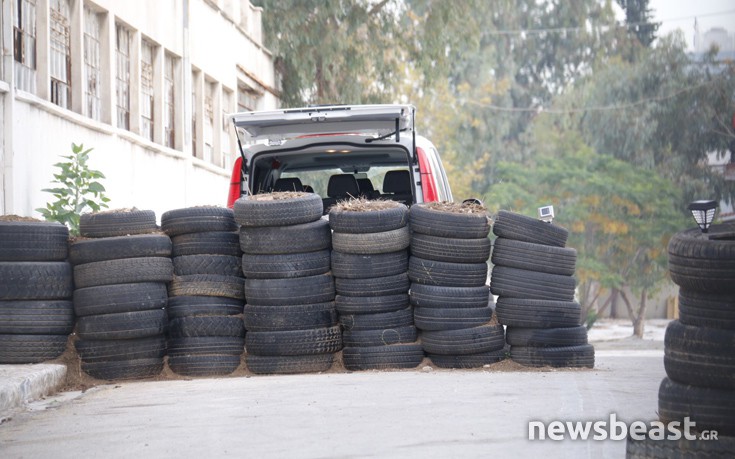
(679, 14)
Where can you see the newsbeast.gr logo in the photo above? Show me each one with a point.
(617, 430)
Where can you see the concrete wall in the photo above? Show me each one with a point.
(139, 173)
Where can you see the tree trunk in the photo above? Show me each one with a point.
(639, 324)
(614, 303)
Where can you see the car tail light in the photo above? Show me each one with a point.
(235, 183)
(428, 185)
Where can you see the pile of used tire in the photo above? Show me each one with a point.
(370, 263)
(121, 267)
(699, 355)
(36, 312)
(206, 336)
(448, 270)
(533, 278)
(290, 319)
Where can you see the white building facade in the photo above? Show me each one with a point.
(147, 84)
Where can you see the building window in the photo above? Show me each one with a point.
(92, 74)
(122, 76)
(225, 135)
(209, 122)
(24, 45)
(60, 52)
(147, 54)
(169, 111)
(247, 99)
(194, 80)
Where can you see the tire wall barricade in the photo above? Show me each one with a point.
(699, 347)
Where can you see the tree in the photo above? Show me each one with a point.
(638, 18)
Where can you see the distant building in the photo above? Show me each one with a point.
(148, 84)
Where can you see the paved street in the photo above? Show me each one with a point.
(439, 413)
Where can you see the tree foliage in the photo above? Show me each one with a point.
(79, 189)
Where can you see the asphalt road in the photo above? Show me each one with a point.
(415, 414)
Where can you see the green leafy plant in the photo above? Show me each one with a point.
(78, 190)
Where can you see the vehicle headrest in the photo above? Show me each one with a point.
(365, 185)
(288, 184)
(342, 186)
(397, 182)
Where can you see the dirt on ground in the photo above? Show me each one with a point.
(18, 218)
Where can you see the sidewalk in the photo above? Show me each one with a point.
(20, 384)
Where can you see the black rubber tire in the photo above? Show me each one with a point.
(222, 265)
(206, 345)
(211, 242)
(289, 364)
(704, 262)
(124, 369)
(371, 304)
(107, 350)
(190, 306)
(436, 296)
(198, 220)
(297, 290)
(700, 356)
(385, 337)
(36, 317)
(547, 337)
(450, 249)
(272, 240)
(521, 312)
(442, 273)
(710, 310)
(31, 348)
(286, 209)
(380, 321)
(467, 360)
(33, 241)
(296, 317)
(204, 365)
(382, 357)
(294, 342)
(519, 227)
(475, 340)
(352, 266)
(111, 299)
(113, 248)
(710, 409)
(371, 243)
(35, 280)
(451, 318)
(373, 286)
(117, 223)
(426, 220)
(648, 448)
(534, 257)
(582, 356)
(123, 325)
(208, 285)
(286, 265)
(123, 271)
(370, 221)
(521, 283)
(187, 327)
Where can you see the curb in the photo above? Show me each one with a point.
(20, 384)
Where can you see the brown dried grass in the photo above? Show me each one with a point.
(277, 196)
(18, 218)
(365, 205)
(456, 207)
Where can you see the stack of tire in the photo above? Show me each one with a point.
(290, 319)
(699, 355)
(206, 298)
(370, 263)
(448, 271)
(121, 267)
(36, 312)
(533, 278)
